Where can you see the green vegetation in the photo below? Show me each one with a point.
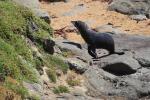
(61, 89)
(17, 88)
(73, 79)
(17, 59)
(67, 53)
(51, 74)
(74, 82)
(56, 62)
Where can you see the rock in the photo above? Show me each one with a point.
(143, 74)
(131, 7)
(32, 27)
(75, 10)
(43, 15)
(48, 46)
(34, 5)
(108, 29)
(125, 7)
(103, 84)
(148, 13)
(143, 57)
(75, 48)
(138, 17)
(67, 96)
(119, 65)
(33, 89)
(132, 88)
(131, 42)
(77, 65)
(98, 82)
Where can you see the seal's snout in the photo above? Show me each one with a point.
(73, 22)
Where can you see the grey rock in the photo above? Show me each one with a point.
(49, 46)
(143, 57)
(75, 48)
(131, 42)
(99, 84)
(119, 65)
(143, 74)
(43, 15)
(77, 65)
(72, 96)
(34, 5)
(131, 7)
(132, 88)
(138, 17)
(127, 87)
(122, 6)
(108, 29)
(33, 89)
(32, 27)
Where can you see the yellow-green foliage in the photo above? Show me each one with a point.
(56, 62)
(61, 89)
(73, 79)
(74, 82)
(51, 74)
(16, 87)
(16, 58)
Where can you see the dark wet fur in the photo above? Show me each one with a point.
(96, 40)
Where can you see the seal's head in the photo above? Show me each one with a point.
(80, 25)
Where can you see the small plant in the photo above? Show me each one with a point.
(56, 62)
(17, 88)
(67, 54)
(34, 97)
(51, 74)
(73, 79)
(61, 89)
(73, 82)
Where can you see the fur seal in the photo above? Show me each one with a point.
(95, 40)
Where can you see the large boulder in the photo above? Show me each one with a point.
(126, 76)
(75, 48)
(78, 65)
(103, 84)
(108, 28)
(131, 7)
(119, 65)
(143, 57)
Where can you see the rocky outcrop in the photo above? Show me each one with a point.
(35, 7)
(132, 7)
(78, 65)
(125, 75)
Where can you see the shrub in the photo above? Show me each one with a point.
(55, 62)
(60, 89)
(73, 79)
(51, 74)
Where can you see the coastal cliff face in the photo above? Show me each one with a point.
(38, 62)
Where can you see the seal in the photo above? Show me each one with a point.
(95, 40)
